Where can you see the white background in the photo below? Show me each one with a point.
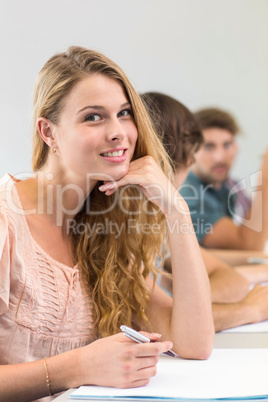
(203, 52)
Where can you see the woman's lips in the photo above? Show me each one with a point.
(115, 156)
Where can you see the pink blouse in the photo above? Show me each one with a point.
(44, 308)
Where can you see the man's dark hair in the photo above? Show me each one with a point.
(213, 117)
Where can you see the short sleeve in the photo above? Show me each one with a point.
(4, 261)
(205, 209)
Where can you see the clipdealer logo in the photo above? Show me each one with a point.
(251, 186)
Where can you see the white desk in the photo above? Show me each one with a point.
(222, 340)
(241, 340)
(64, 397)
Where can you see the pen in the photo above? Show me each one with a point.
(137, 337)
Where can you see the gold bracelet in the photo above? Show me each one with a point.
(47, 377)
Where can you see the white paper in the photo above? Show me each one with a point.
(259, 327)
(228, 373)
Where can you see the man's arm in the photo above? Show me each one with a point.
(236, 257)
(252, 309)
(232, 303)
(251, 235)
(254, 273)
(226, 284)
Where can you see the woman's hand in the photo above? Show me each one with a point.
(117, 361)
(145, 173)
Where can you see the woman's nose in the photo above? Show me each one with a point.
(115, 131)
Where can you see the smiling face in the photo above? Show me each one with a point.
(96, 133)
(215, 156)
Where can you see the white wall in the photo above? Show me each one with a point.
(203, 52)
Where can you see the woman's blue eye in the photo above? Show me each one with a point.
(125, 112)
(92, 117)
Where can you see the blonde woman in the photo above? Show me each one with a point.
(79, 239)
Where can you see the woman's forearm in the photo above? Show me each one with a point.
(29, 381)
(114, 361)
(191, 320)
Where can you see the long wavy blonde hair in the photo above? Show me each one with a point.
(115, 267)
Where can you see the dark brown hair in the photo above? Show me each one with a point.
(175, 125)
(213, 117)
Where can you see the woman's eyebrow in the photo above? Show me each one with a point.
(98, 107)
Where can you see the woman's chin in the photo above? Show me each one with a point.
(113, 175)
(117, 175)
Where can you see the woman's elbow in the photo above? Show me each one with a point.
(199, 351)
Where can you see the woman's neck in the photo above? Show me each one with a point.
(58, 197)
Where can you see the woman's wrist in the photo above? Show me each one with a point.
(65, 371)
(178, 209)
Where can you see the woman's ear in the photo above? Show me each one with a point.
(45, 129)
